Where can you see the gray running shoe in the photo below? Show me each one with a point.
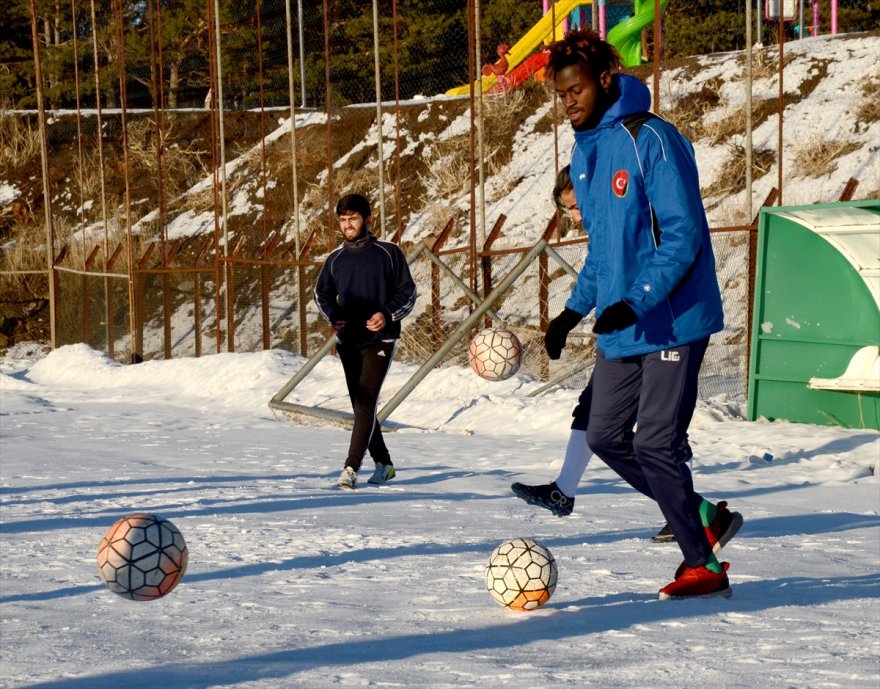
(383, 473)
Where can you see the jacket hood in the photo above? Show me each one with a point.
(634, 97)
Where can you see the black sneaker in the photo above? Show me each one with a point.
(547, 496)
(664, 535)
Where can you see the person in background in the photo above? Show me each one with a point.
(558, 496)
(650, 276)
(364, 290)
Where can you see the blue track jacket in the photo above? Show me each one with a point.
(649, 238)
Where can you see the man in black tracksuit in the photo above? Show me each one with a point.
(364, 290)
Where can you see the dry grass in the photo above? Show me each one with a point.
(448, 166)
(687, 113)
(19, 141)
(765, 63)
(26, 250)
(358, 179)
(732, 178)
(817, 74)
(447, 162)
(502, 114)
(721, 130)
(503, 183)
(869, 112)
(434, 218)
(817, 158)
(200, 201)
(181, 166)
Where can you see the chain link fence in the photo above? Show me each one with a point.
(186, 196)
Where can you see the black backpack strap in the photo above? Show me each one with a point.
(634, 122)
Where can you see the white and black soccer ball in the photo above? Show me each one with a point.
(495, 354)
(521, 574)
(142, 557)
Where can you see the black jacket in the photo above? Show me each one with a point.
(360, 278)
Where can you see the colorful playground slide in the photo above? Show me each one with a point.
(524, 70)
(627, 36)
(531, 41)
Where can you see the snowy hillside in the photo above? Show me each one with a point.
(830, 134)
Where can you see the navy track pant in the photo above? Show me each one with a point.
(656, 393)
(365, 368)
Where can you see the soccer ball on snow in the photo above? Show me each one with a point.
(142, 557)
(521, 574)
(495, 354)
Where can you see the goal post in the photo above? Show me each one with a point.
(452, 340)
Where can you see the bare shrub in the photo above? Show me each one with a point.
(817, 158)
(869, 112)
(448, 161)
(501, 115)
(765, 63)
(448, 166)
(181, 165)
(687, 113)
(434, 218)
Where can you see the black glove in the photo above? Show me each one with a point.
(618, 316)
(557, 332)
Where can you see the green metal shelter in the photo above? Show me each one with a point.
(816, 326)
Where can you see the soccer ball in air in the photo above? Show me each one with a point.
(495, 354)
(142, 557)
(521, 574)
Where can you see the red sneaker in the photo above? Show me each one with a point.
(698, 582)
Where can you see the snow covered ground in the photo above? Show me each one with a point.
(292, 583)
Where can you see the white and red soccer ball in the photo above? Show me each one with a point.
(521, 574)
(495, 354)
(142, 557)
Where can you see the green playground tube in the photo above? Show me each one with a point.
(627, 36)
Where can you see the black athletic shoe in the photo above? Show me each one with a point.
(664, 535)
(547, 496)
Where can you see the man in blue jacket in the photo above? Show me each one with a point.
(364, 290)
(558, 496)
(650, 276)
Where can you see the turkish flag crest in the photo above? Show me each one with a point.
(620, 183)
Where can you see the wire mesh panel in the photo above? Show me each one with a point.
(212, 140)
(176, 313)
(94, 310)
(283, 317)
(725, 367)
